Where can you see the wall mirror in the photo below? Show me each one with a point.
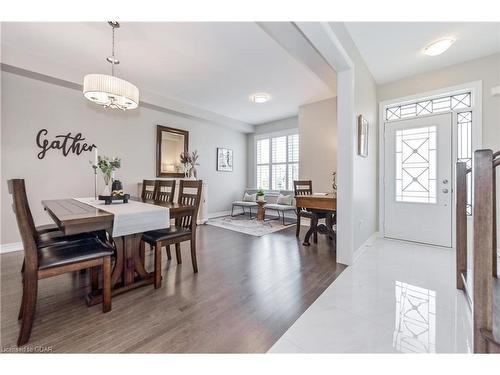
(170, 143)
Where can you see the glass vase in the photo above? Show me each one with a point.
(107, 185)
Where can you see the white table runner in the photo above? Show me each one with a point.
(133, 217)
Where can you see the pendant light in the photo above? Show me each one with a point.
(110, 91)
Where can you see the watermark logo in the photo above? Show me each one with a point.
(26, 349)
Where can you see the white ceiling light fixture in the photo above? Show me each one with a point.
(438, 47)
(260, 98)
(108, 90)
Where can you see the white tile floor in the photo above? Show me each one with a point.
(397, 297)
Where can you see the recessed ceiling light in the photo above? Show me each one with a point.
(437, 48)
(260, 97)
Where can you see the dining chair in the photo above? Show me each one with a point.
(47, 229)
(183, 230)
(165, 193)
(165, 190)
(46, 261)
(149, 189)
(49, 234)
(304, 187)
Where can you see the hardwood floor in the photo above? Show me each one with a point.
(248, 292)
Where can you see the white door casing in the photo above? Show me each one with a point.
(418, 191)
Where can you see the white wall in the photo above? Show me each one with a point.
(486, 69)
(265, 128)
(318, 143)
(29, 105)
(365, 170)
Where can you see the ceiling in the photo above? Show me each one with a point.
(393, 50)
(212, 66)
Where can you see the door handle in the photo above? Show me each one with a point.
(445, 191)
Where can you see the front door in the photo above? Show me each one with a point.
(418, 175)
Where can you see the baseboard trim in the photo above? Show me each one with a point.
(11, 247)
(217, 214)
(367, 244)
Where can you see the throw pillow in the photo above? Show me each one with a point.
(284, 200)
(250, 197)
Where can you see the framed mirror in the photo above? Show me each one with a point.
(170, 143)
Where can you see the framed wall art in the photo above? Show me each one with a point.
(224, 159)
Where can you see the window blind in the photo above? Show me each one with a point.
(277, 162)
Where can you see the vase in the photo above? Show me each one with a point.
(107, 185)
(106, 191)
(193, 173)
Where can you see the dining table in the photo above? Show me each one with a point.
(325, 203)
(73, 216)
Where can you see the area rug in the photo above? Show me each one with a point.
(245, 225)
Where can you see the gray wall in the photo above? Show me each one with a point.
(29, 105)
(268, 127)
(278, 125)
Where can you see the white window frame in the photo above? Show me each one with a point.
(269, 136)
(476, 90)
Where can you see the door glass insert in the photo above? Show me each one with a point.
(416, 165)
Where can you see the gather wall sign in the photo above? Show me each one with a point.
(67, 143)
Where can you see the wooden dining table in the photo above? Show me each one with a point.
(321, 203)
(129, 272)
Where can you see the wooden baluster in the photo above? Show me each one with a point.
(483, 246)
(494, 246)
(461, 224)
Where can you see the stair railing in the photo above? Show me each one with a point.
(484, 250)
(461, 225)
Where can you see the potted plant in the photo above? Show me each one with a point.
(108, 167)
(260, 195)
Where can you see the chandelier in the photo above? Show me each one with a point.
(108, 90)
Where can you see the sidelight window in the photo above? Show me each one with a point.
(464, 150)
